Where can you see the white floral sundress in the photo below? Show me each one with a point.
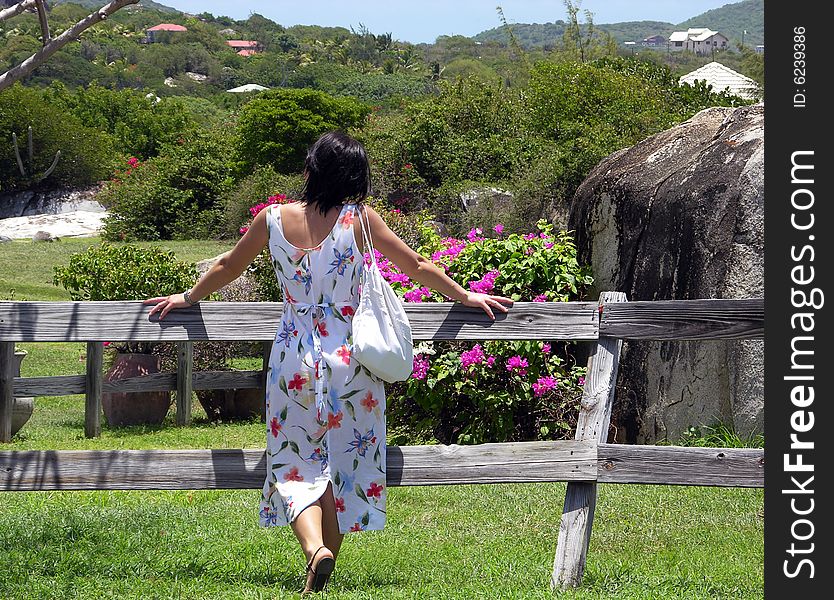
(325, 413)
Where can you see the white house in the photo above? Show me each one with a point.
(699, 40)
(724, 78)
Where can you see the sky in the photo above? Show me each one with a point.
(419, 21)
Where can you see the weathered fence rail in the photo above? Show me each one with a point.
(583, 462)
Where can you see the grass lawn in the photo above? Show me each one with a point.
(27, 267)
(487, 541)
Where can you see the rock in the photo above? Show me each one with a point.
(499, 198)
(439, 227)
(242, 289)
(62, 212)
(58, 201)
(5, 238)
(170, 82)
(44, 236)
(680, 215)
(198, 77)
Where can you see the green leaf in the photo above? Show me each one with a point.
(361, 493)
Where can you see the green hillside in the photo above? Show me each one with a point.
(99, 3)
(538, 35)
(732, 19)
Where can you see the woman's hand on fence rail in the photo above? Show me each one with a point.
(485, 301)
(166, 303)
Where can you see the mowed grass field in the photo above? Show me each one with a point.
(484, 541)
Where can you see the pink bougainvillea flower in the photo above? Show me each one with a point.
(544, 384)
(485, 285)
(546, 348)
(420, 368)
(499, 228)
(490, 360)
(581, 380)
(518, 364)
(474, 234)
(540, 298)
(417, 294)
(472, 357)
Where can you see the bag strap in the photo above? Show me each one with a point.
(366, 234)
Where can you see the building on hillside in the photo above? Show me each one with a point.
(699, 40)
(249, 87)
(760, 49)
(654, 41)
(724, 78)
(244, 47)
(152, 33)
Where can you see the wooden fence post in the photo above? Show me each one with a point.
(92, 390)
(594, 420)
(6, 390)
(185, 381)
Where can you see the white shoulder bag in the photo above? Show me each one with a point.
(382, 340)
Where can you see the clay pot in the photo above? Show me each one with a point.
(234, 404)
(22, 406)
(134, 408)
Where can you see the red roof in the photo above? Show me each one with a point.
(167, 27)
(242, 43)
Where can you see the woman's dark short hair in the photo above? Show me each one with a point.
(337, 170)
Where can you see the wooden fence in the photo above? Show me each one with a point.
(583, 462)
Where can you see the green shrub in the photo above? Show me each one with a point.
(177, 195)
(139, 125)
(124, 272)
(262, 183)
(87, 155)
(277, 126)
(495, 391)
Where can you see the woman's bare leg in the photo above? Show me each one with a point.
(330, 524)
(307, 527)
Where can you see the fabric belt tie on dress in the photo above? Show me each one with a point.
(302, 308)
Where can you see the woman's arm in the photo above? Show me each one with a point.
(228, 268)
(423, 270)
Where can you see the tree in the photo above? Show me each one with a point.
(51, 45)
(277, 126)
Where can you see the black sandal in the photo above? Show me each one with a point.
(321, 574)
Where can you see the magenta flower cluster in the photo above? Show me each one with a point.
(472, 357)
(518, 364)
(420, 367)
(544, 385)
(276, 199)
(486, 284)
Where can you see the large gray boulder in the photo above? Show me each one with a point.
(680, 215)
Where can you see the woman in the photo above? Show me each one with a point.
(325, 413)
